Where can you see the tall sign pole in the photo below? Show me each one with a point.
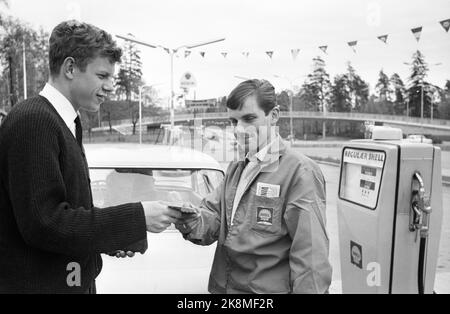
(25, 96)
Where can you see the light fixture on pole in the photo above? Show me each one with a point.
(171, 52)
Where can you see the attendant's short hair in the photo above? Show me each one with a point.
(81, 41)
(262, 89)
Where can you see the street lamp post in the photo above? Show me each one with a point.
(24, 57)
(99, 115)
(140, 113)
(291, 121)
(407, 107)
(171, 52)
(421, 105)
(172, 107)
(421, 101)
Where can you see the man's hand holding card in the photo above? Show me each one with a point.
(189, 215)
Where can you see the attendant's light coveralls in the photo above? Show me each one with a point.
(275, 240)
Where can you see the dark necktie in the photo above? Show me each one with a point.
(79, 137)
(79, 131)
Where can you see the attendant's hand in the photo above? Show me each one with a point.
(159, 217)
(189, 216)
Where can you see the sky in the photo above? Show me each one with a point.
(257, 26)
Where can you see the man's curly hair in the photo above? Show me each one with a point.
(81, 41)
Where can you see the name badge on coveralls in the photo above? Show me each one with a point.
(267, 190)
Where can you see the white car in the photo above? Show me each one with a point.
(123, 173)
(419, 138)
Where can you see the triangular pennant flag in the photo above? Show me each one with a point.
(270, 54)
(295, 53)
(323, 48)
(246, 54)
(417, 32)
(202, 53)
(353, 44)
(445, 24)
(383, 38)
(187, 53)
(224, 54)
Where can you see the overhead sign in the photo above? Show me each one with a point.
(188, 81)
(201, 104)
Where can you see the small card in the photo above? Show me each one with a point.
(183, 209)
(267, 190)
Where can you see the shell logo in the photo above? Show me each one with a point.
(265, 215)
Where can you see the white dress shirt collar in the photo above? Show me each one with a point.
(61, 104)
(272, 148)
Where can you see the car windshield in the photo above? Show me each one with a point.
(112, 187)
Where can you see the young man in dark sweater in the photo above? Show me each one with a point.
(51, 235)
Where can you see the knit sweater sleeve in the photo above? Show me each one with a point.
(46, 220)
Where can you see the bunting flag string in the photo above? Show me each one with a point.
(445, 24)
(383, 38)
(352, 45)
(417, 32)
(294, 53)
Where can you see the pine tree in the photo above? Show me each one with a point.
(283, 100)
(315, 92)
(382, 87)
(129, 79)
(14, 35)
(419, 88)
(398, 97)
(340, 95)
(358, 89)
(384, 94)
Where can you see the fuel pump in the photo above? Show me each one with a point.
(389, 214)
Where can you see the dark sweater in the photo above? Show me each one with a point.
(47, 219)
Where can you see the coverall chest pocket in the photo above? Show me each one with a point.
(266, 216)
